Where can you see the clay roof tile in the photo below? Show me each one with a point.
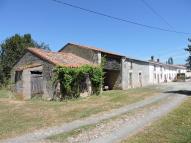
(59, 58)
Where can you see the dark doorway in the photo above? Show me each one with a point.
(110, 79)
(130, 80)
(18, 82)
(36, 83)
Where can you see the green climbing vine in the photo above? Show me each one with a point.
(71, 78)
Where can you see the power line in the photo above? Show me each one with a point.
(156, 13)
(120, 19)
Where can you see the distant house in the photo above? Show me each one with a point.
(32, 73)
(160, 72)
(142, 73)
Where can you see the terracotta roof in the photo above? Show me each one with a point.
(92, 48)
(59, 58)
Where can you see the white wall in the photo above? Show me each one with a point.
(163, 72)
(139, 71)
(151, 73)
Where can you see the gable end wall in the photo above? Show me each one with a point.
(88, 54)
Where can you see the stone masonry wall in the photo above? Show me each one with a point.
(87, 54)
(45, 67)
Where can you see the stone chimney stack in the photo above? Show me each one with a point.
(152, 58)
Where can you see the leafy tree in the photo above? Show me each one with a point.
(188, 60)
(11, 50)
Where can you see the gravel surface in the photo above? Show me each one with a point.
(114, 135)
(126, 125)
(133, 125)
(108, 126)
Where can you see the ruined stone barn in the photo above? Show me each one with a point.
(32, 73)
(112, 67)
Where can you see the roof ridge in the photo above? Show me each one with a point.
(92, 48)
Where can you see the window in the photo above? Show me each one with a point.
(131, 65)
(140, 79)
(36, 72)
(161, 75)
(160, 68)
(154, 67)
(155, 76)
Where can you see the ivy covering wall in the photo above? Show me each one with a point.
(71, 78)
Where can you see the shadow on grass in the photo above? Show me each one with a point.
(184, 92)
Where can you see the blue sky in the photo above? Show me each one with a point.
(57, 25)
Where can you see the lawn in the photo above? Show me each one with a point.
(18, 117)
(4, 93)
(173, 128)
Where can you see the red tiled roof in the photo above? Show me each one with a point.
(59, 58)
(92, 48)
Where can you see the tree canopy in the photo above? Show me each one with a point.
(11, 49)
(188, 60)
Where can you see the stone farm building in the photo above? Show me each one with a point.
(32, 73)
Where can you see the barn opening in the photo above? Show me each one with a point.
(112, 69)
(111, 78)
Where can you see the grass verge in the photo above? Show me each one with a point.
(4, 93)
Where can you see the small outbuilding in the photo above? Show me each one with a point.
(32, 74)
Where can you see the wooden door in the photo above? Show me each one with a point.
(36, 83)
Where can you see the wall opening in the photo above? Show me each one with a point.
(110, 79)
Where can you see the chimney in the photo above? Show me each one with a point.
(152, 58)
(158, 60)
